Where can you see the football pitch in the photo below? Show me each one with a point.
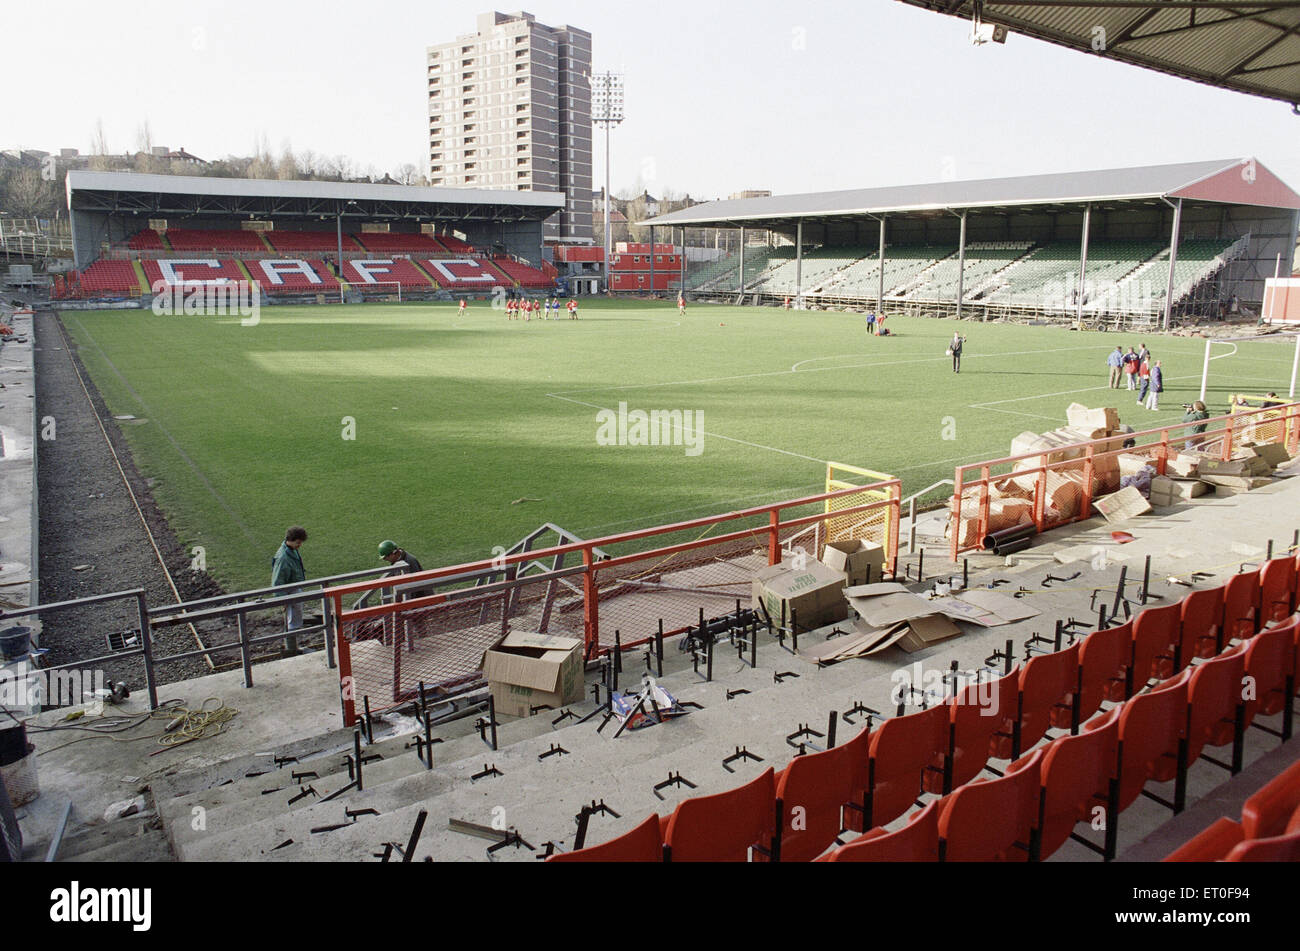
(454, 434)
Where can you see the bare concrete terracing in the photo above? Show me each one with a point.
(18, 466)
(219, 800)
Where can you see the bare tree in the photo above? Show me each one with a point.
(408, 174)
(287, 168)
(27, 195)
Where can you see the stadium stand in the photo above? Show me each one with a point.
(292, 276)
(147, 240)
(299, 241)
(182, 271)
(1153, 735)
(185, 240)
(390, 243)
(109, 279)
(523, 275)
(724, 275)
(819, 266)
(983, 261)
(365, 271)
(454, 244)
(903, 265)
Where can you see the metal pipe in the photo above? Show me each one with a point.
(880, 288)
(146, 646)
(742, 260)
(996, 539)
(961, 262)
(798, 265)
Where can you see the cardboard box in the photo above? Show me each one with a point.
(1274, 454)
(1121, 505)
(1131, 463)
(926, 631)
(1079, 416)
(1182, 466)
(860, 561)
(814, 592)
(526, 669)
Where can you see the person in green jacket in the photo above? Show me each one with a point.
(1195, 414)
(286, 568)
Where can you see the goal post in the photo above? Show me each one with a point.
(1211, 355)
(392, 288)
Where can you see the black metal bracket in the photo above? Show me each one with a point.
(282, 845)
(565, 714)
(804, 730)
(1022, 592)
(555, 750)
(1006, 656)
(741, 753)
(674, 779)
(1047, 582)
(487, 771)
(487, 724)
(733, 694)
(512, 838)
(997, 581)
(306, 791)
(779, 676)
(282, 761)
(858, 707)
(533, 711)
(340, 791)
(689, 703)
(299, 777)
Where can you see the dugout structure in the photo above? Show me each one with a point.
(1138, 245)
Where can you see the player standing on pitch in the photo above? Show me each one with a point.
(463, 307)
(681, 304)
(573, 309)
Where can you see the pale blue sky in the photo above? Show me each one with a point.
(721, 96)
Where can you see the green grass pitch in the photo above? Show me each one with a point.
(456, 418)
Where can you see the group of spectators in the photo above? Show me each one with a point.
(1141, 373)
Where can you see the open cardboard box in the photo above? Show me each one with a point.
(526, 669)
(859, 560)
(812, 591)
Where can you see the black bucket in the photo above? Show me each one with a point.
(13, 742)
(15, 642)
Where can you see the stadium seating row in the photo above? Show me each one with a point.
(1269, 830)
(1105, 760)
(190, 240)
(107, 278)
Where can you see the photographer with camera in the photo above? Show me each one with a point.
(1195, 413)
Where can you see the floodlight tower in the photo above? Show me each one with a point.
(607, 110)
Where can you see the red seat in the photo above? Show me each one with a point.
(902, 750)
(1077, 774)
(1277, 582)
(1283, 848)
(642, 844)
(1045, 681)
(1270, 811)
(1241, 606)
(992, 820)
(1270, 667)
(1214, 694)
(1155, 638)
(1102, 662)
(1210, 845)
(1202, 623)
(918, 841)
(811, 793)
(977, 715)
(1116, 690)
(723, 827)
(1151, 728)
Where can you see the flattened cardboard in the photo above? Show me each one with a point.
(889, 609)
(1009, 609)
(926, 631)
(1122, 505)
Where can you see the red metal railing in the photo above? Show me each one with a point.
(600, 591)
(1017, 489)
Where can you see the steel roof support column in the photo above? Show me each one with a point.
(339, 263)
(681, 274)
(880, 287)
(798, 266)
(1083, 263)
(961, 263)
(1173, 258)
(652, 260)
(742, 262)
